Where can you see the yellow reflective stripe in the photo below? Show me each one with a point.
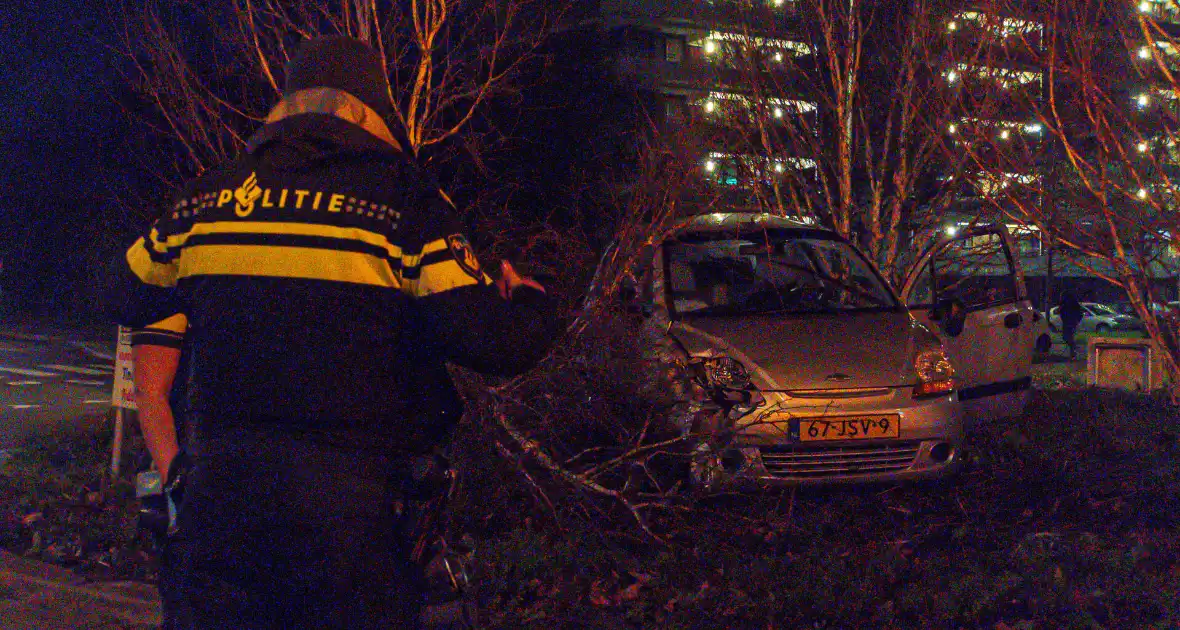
(295, 229)
(441, 277)
(147, 270)
(287, 262)
(154, 238)
(336, 103)
(177, 323)
(413, 260)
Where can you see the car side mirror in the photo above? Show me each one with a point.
(951, 315)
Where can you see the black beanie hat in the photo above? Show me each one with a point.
(342, 63)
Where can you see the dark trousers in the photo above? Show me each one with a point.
(1068, 332)
(282, 530)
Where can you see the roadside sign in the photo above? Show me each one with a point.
(123, 396)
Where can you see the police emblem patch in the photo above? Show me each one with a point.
(464, 255)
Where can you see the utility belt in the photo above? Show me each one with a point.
(420, 492)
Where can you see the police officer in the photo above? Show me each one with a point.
(326, 283)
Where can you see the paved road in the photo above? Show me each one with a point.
(46, 381)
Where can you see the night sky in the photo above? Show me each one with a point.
(67, 175)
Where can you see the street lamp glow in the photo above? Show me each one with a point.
(1142, 194)
(778, 56)
(710, 106)
(1145, 7)
(778, 3)
(778, 167)
(778, 112)
(952, 128)
(1144, 52)
(952, 26)
(1005, 134)
(1142, 100)
(710, 47)
(952, 230)
(1142, 147)
(952, 76)
(710, 166)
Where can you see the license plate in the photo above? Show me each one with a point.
(873, 427)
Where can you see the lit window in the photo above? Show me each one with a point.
(989, 184)
(999, 26)
(781, 46)
(1005, 77)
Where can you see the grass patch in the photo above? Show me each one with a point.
(1066, 518)
(58, 504)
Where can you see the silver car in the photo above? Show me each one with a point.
(805, 361)
(1098, 318)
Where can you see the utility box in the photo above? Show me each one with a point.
(1131, 364)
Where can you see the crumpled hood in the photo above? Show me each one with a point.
(810, 352)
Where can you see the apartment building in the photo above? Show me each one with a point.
(715, 73)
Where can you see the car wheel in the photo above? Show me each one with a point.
(1102, 329)
(1044, 344)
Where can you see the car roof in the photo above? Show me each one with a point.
(732, 221)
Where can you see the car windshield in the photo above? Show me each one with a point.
(1102, 309)
(770, 271)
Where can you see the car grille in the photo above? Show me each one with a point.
(830, 461)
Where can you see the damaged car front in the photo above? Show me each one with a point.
(803, 365)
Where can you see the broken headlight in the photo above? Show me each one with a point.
(724, 373)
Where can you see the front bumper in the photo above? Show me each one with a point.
(928, 446)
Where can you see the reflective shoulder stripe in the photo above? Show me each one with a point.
(434, 270)
(148, 268)
(289, 229)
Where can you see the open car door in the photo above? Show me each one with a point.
(969, 289)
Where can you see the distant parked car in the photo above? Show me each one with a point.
(1098, 318)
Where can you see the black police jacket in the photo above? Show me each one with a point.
(327, 282)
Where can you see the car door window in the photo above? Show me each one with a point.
(977, 270)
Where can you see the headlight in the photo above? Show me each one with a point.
(725, 373)
(935, 373)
